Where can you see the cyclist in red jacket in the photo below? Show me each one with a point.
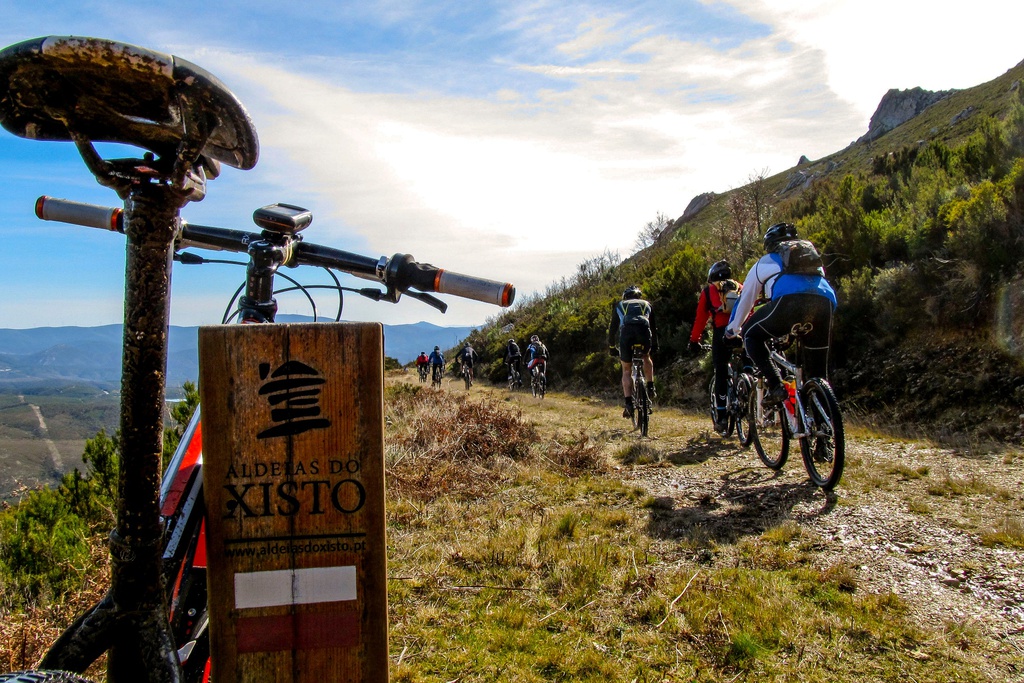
(422, 363)
(716, 302)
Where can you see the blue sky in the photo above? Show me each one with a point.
(509, 140)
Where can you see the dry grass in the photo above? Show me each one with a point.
(518, 553)
(442, 443)
(25, 635)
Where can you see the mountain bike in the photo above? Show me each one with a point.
(809, 414)
(467, 375)
(740, 384)
(515, 380)
(153, 620)
(436, 375)
(641, 412)
(539, 379)
(422, 371)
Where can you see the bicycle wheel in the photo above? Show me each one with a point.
(824, 448)
(467, 378)
(730, 415)
(641, 407)
(740, 409)
(41, 676)
(712, 408)
(543, 381)
(767, 433)
(534, 388)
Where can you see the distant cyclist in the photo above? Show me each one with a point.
(467, 357)
(422, 364)
(716, 302)
(537, 355)
(436, 359)
(633, 323)
(792, 297)
(513, 359)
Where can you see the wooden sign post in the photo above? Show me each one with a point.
(293, 476)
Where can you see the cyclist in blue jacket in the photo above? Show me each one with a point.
(436, 359)
(791, 298)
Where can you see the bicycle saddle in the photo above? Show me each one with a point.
(95, 90)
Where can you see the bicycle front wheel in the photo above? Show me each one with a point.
(641, 407)
(467, 379)
(741, 406)
(767, 433)
(824, 447)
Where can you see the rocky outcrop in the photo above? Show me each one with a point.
(695, 206)
(899, 106)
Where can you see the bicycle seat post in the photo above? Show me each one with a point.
(84, 90)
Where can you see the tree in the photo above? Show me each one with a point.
(750, 209)
(650, 233)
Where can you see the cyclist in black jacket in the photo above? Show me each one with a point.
(467, 357)
(513, 358)
(633, 323)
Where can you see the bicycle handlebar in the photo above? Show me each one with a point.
(76, 213)
(400, 271)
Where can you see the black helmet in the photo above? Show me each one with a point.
(437, 348)
(780, 232)
(719, 271)
(632, 292)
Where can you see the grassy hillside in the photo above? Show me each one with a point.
(923, 236)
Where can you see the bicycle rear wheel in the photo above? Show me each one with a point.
(767, 433)
(824, 449)
(467, 378)
(741, 406)
(641, 407)
(730, 413)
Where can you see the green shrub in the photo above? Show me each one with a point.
(46, 540)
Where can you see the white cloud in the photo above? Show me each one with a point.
(526, 184)
(871, 46)
(509, 182)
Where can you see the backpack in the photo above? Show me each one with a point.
(729, 295)
(540, 351)
(635, 312)
(799, 257)
(513, 349)
(467, 353)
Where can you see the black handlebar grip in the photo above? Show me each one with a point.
(76, 213)
(404, 272)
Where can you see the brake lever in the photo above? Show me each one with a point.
(392, 295)
(428, 299)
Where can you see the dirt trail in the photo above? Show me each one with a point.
(909, 516)
(58, 461)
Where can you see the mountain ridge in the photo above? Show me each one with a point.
(53, 355)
